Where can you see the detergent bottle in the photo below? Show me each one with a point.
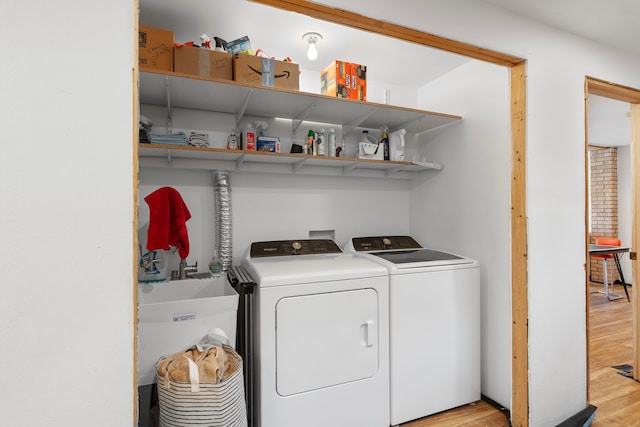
(384, 140)
(249, 138)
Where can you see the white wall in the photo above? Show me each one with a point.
(276, 207)
(67, 213)
(556, 67)
(465, 208)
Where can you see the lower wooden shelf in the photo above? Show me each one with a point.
(181, 157)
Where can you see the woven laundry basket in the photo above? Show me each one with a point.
(201, 402)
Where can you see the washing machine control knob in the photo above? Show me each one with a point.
(387, 242)
(296, 246)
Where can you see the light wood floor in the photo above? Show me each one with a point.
(616, 397)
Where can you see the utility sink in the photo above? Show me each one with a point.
(175, 315)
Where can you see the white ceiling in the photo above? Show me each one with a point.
(611, 22)
(279, 34)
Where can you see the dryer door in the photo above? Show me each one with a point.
(326, 339)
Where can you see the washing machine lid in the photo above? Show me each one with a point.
(291, 262)
(403, 252)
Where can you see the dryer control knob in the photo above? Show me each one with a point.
(296, 246)
(386, 241)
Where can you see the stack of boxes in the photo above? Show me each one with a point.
(344, 80)
(157, 51)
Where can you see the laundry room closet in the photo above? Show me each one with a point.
(452, 191)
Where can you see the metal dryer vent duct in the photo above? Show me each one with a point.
(222, 198)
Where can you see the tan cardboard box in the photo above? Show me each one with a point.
(203, 62)
(259, 71)
(155, 48)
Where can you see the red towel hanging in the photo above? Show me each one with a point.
(167, 221)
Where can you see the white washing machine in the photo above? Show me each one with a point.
(321, 354)
(434, 318)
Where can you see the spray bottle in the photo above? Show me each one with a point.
(331, 142)
(321, 142)
(309, 147)
(384, 140)
(232, 141)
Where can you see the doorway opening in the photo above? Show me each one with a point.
(612, 214)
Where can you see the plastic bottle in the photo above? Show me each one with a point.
(309, 146)
(322, 143)
(249, 138)
(331, 142)
(232, 141)
(384, 140)
(215, 265)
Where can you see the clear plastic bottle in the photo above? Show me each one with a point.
(215, 265)
(322, 143)
(232, 141)
(331, 142)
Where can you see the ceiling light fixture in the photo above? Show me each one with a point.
(312, 38)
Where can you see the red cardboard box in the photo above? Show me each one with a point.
(203, 62)
(155, 48)
(260, 71)
(335, 79)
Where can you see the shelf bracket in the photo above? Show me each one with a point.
(243, 107)
(347, 169)
(297, 165)
(167, 88)
(348, 127)
(169, 158)
(240, 161)
(297, 120)
(394, 170)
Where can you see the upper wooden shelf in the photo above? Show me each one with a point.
(225, 96)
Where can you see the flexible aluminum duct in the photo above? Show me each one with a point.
(222, 198)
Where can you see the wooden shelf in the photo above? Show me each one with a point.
(225, 96)
(169, 156)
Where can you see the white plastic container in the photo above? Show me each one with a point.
(249, 138)
(175, 315)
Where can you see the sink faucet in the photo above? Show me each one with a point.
(184, 269)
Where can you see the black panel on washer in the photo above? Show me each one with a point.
(419, 255)
(382, 243)
(293, 247)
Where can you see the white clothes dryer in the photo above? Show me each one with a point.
(321, 353)
(434, 324)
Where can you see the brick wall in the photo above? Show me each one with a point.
(604, 201)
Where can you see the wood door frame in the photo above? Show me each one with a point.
(519, 256)
(618, 92)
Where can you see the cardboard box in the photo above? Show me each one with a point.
(259, 71)
(270, 144)
(344, 80)
(203, 62)
(358, 82)
(335, 79)
(155, 48)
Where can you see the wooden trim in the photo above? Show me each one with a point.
(519, 255)
(586, 232)
(635, 243)
(135, 138)
(360, 22)
(612, 90)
